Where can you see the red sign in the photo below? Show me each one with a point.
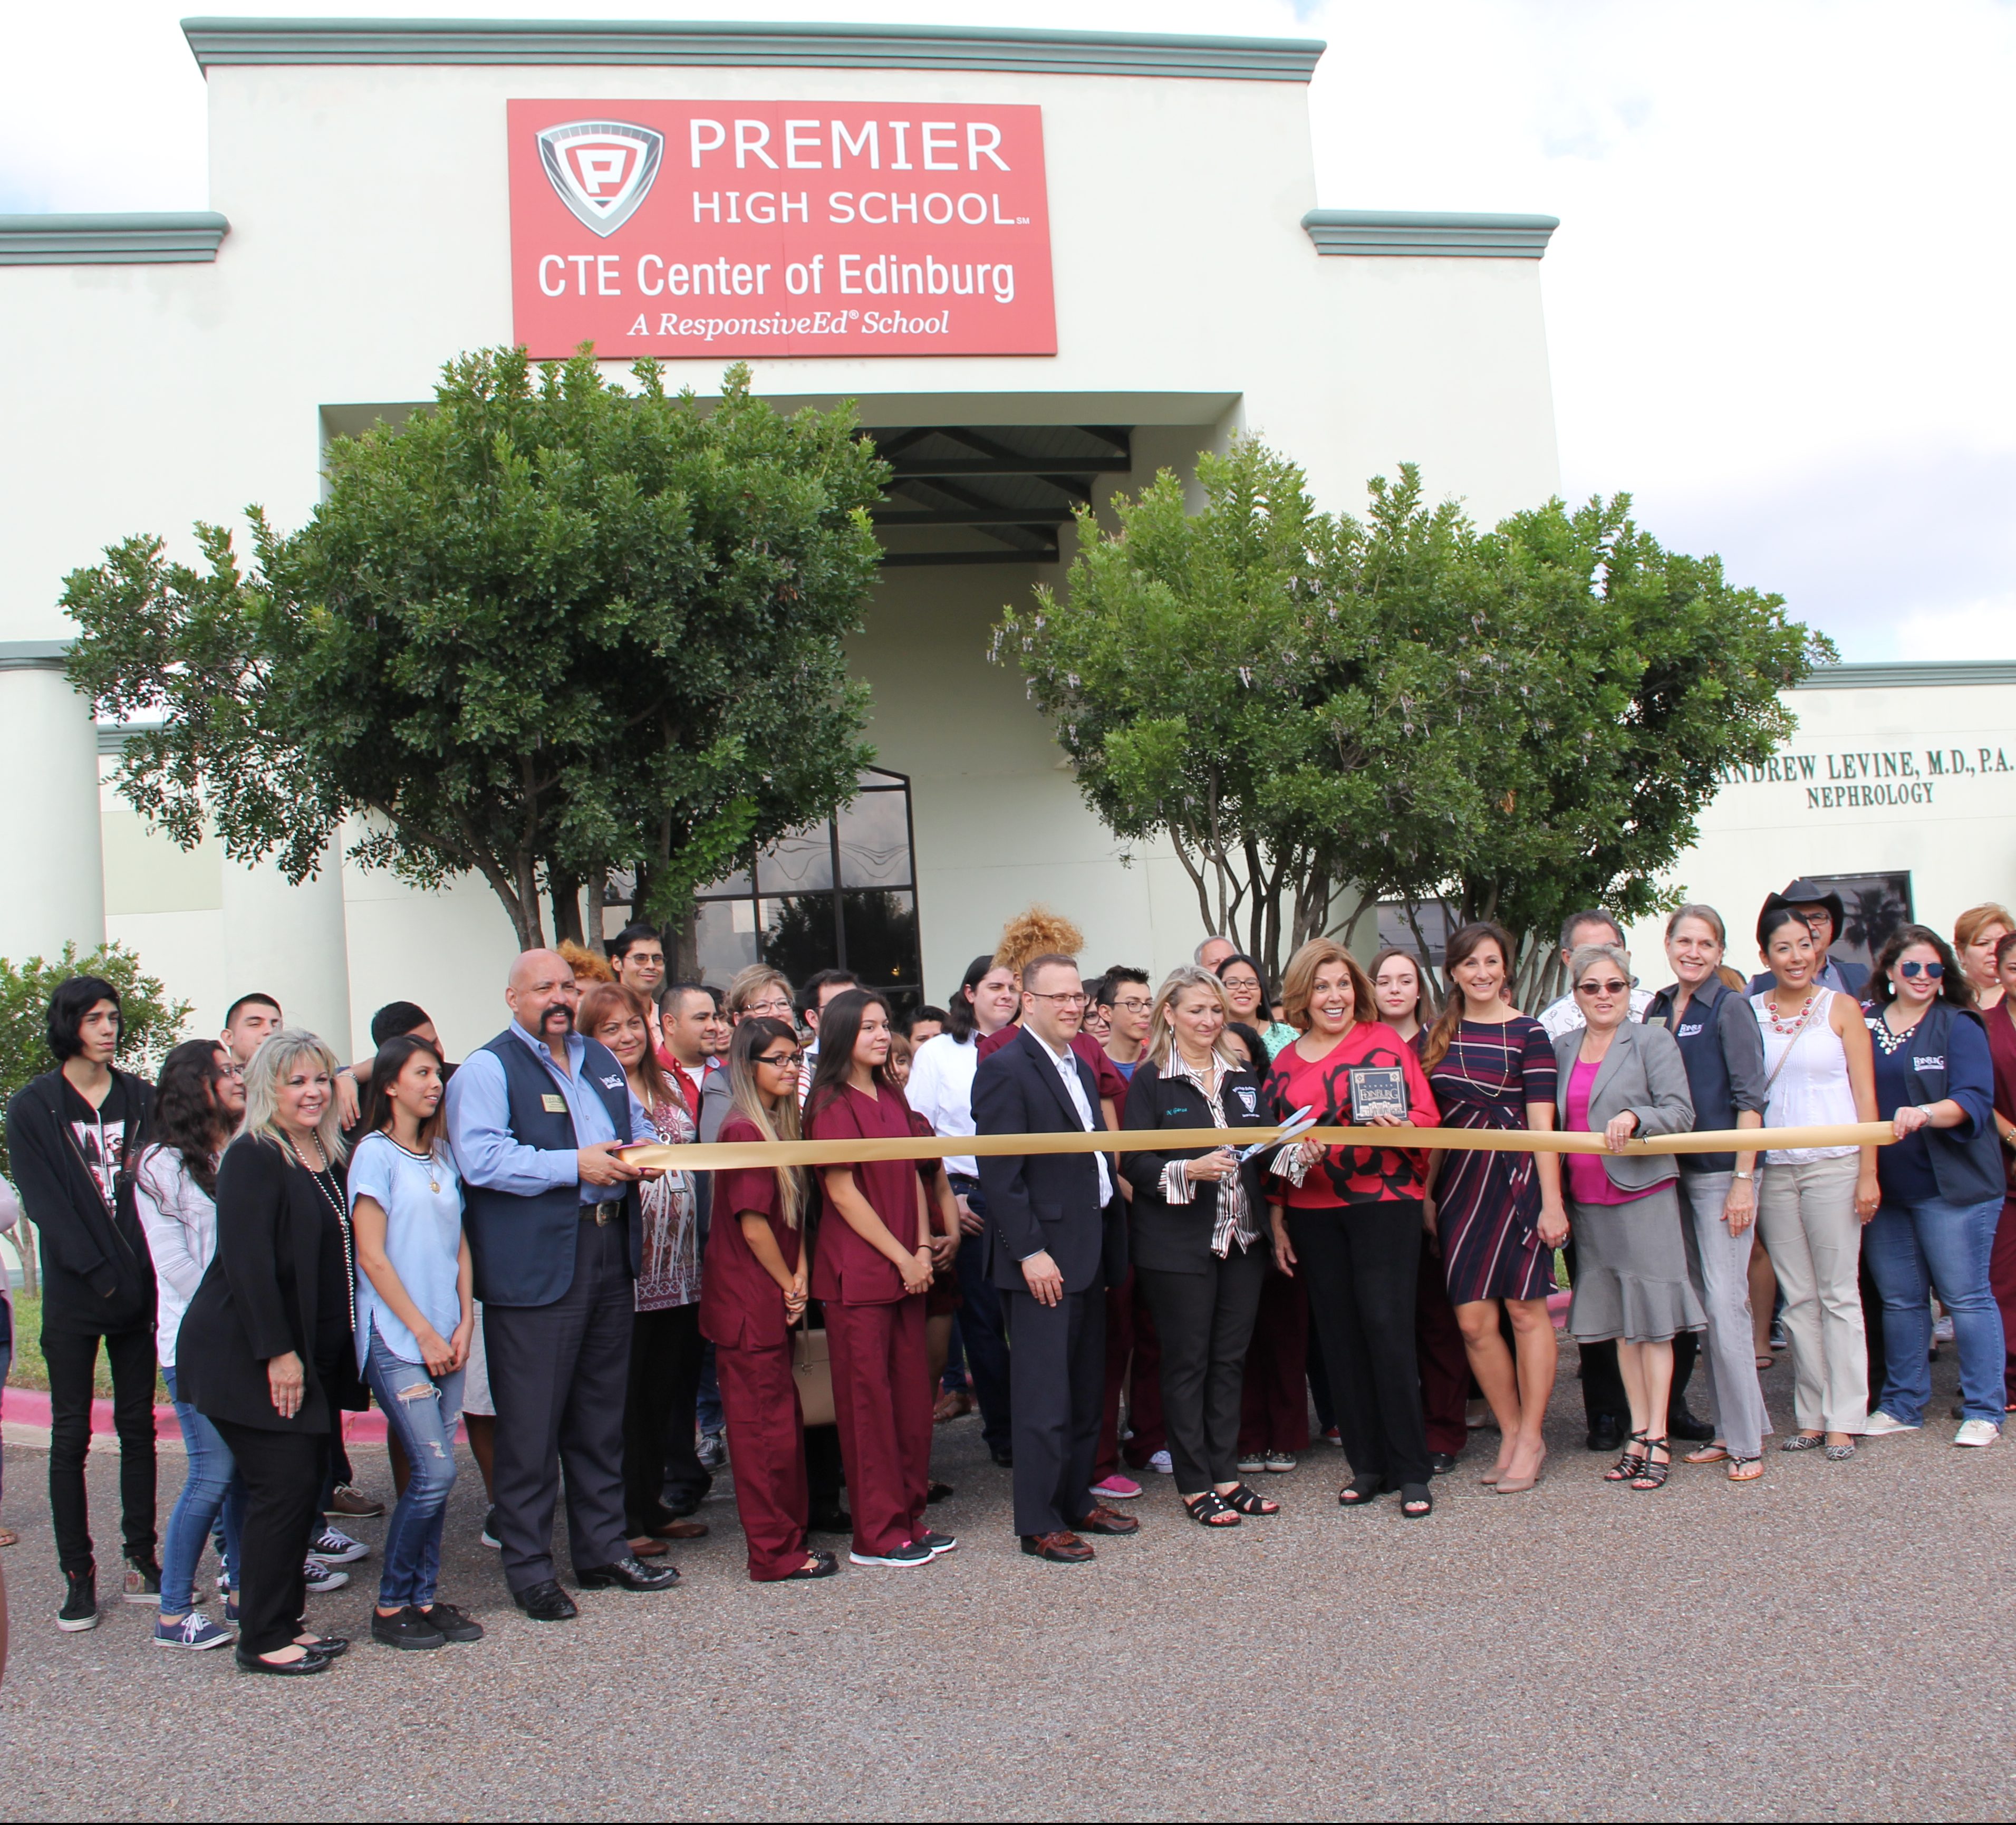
(704, 229)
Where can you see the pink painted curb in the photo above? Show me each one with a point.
(30, 1407)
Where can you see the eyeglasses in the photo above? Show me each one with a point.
(779, 1061)
(1608, 988)
(1934, 971)
(236, 1071)
(776, 1004)
(1077, 1000)
(1135, 1004)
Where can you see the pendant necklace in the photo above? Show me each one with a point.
(426, 1158)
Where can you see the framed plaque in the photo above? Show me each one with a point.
(1377, 1090)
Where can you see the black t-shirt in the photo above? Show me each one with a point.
(104, 1135)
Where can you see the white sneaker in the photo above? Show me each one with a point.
(319, 1576)
(1879, 1423)
(1977, 1432)
(1942, 1330)
(334, 1547)
(1161, 1463)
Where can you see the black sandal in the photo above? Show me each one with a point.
(1651, 1475)
(1417, 1501)
(1248, 1501)
(1360, 1491)
(1211, 1509)
(1631, 1463)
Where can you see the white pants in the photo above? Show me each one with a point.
(1805, 1214)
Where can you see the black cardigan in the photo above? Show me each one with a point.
(97, 1274)
(1176, 1237)
(261, 1297)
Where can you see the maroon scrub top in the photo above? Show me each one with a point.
(740, 1306)
(844, 1267)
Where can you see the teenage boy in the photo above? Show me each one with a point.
(73, 1133)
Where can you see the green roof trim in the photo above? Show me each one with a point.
(1434, 234)
(33, 655)
(1909, 674)
(219, 42)
(144, 239)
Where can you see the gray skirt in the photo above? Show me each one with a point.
(1631, 1271)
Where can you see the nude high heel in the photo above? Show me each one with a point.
(1509, 1485)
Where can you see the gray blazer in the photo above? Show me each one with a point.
(1642, 1072)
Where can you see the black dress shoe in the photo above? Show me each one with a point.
(546, 1603)
(937, 1492)
(1606, 1433)
(308, 1663)
(1681, 1422)
(1440, 1463)
(836, 1521)
(329, 1647)
(823, 1565)
(626, 1573)
(1006, 1459)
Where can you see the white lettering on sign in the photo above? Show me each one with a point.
(777, 200)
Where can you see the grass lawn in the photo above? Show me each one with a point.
(30, 1372)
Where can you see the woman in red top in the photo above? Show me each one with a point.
(753, 1292)
(873, 1268)
(1350, 1219)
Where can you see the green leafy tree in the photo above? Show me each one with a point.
(152, 1019)
(1319, 712)
(547, 630)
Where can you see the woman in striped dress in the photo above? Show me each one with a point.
(1498, 1217)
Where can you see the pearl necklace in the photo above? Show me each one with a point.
(325, 1182)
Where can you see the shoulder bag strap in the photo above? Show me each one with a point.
(1806, 1020)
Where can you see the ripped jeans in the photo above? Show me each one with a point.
(423, 1411)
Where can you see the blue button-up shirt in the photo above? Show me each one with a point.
(479, 1123)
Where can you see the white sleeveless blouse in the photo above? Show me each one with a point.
(1811, 1087)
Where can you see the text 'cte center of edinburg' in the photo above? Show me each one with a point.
(1045, 264)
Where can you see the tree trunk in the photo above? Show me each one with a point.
(682, 939)
(598, 897)
(566, 890)
(24, 1240)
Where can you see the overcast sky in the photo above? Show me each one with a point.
(1779, 305)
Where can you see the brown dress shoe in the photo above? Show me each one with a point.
(646, 1549)
(1059, 1549)
(681, 1530)
(1102, 1519)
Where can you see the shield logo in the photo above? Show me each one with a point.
(1249, 1098)
(602, 170)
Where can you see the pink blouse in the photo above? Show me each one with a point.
(1588, 1183)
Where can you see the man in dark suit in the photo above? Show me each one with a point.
(1054, 1230)
(537, 1119)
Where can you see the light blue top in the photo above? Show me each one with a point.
(478, 1123)
(422, 1240)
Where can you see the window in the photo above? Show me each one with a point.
(837, 895)
(1873, 905)
(1437, 921)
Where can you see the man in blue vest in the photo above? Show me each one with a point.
(536, 1119)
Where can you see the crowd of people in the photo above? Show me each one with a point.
(477, 1248)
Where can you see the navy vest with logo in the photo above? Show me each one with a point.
(1698, 1034)
(523, 1248)
(1967, 1169)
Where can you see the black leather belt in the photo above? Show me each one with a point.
(600, 1215)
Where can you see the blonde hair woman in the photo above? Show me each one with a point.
(1976, 933)
(1199, 1237)
(267, 1352)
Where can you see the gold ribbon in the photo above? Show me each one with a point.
(720, 1157)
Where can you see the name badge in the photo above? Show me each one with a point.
(552, 1104)
(1659, 1020)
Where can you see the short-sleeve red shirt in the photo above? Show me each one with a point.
(845, 1267)
(740, 1306)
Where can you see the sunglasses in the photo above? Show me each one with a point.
(1933, 971)
(1608, 988)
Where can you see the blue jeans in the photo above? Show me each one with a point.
(423, 1411)
(1912, 1249)
(210, 1491)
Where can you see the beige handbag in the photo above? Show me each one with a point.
(811, 1372)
